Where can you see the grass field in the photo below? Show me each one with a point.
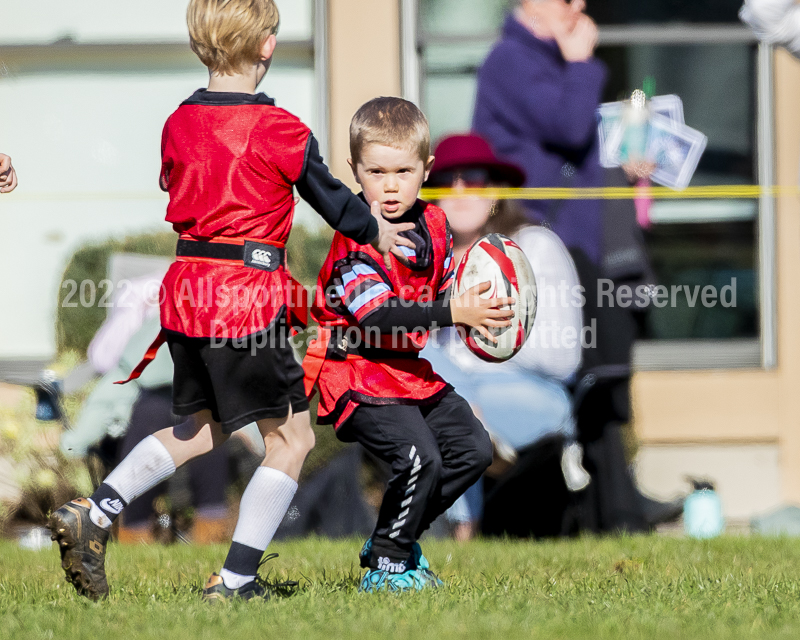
(634, 587)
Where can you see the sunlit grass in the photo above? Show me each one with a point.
(639, 587)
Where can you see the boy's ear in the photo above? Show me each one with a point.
(353, 169)
(429, 166)
(268, 48)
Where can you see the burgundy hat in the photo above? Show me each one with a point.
(469, 150)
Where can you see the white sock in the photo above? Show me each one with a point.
(264, 503)
(234, 580)
(148, 464)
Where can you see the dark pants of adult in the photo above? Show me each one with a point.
(436, 452)
(208, 475)
(612, 502)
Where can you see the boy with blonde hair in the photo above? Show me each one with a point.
(374, 388)
(230, 158)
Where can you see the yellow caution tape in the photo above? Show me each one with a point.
(746, 191)
(615, 193)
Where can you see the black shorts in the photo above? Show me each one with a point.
(240, 381)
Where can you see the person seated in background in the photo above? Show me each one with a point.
(527, 403)
(526, 400)
(8, 177)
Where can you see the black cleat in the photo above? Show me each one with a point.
(83, 548)
(215, 588)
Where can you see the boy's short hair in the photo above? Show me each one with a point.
(228, 34)
(393, 122)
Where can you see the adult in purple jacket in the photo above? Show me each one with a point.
(537, 95)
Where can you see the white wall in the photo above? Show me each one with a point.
(747, 477)
(44, 21)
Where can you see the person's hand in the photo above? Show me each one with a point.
(389, 239)
(577, 44)
(8, 177)
(481, 313)
(638, 170)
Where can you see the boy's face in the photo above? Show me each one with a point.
(391, 176)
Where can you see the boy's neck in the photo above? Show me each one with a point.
(235, 83)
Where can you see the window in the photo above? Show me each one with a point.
(695, 243)
(663, 11)
(700, 52)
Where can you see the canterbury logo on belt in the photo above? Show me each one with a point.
(251, 253)
(262, 257)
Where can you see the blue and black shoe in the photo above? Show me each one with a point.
(365, 554)
(420, 562)
(411, 580)
(418, 576)
(381, 580)
(374, 580)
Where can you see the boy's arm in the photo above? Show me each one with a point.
(337, 205)
(361, 287)
(405, 315)
(408, 316)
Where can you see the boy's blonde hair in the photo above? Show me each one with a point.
(228, 34)
(393, 122)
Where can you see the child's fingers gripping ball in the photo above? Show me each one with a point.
(497, 260)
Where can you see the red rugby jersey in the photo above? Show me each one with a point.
(354, 290)
(229, 162)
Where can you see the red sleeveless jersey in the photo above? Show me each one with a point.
(229, 163)
(354, 282)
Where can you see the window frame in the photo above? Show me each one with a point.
(659, 355)
(322, 75)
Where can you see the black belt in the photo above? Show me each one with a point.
(257, 255)
(341, 345)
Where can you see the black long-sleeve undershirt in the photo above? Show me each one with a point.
(406, 316)
(338, 206)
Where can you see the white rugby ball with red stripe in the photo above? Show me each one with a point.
(497, 260)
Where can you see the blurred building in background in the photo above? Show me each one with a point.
(85, 89)
(86, 86)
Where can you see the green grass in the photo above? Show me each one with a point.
(634, 587)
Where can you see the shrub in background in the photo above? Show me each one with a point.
(76, 326)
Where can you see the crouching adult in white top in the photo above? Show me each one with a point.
(525, 400)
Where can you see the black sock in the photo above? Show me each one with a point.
(243, 560)
(108, 501)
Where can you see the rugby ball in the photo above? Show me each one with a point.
(497, 260)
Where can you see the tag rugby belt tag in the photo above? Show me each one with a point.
(262, 256)
(257, 255)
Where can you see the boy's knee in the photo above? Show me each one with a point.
(305, 440)
(430, 464)
(300, 440)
